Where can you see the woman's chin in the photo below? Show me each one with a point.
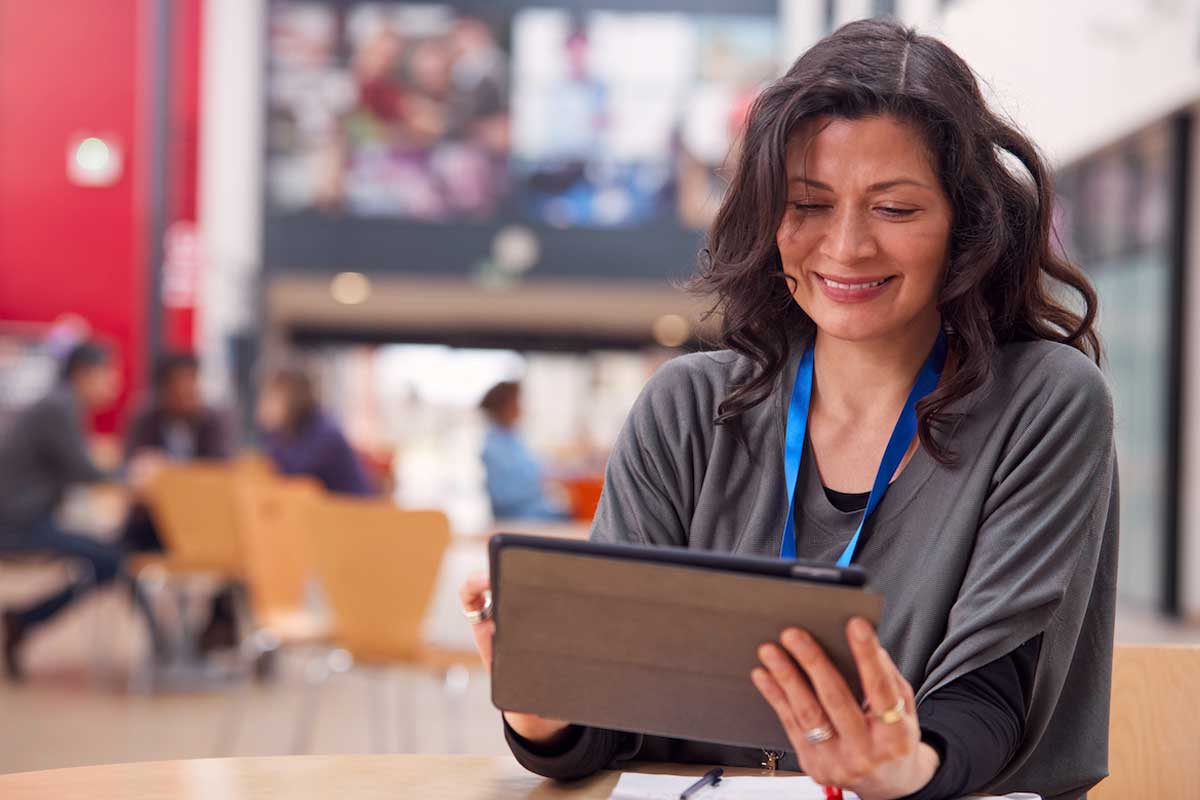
(854, 330)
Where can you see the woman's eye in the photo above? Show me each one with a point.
(892, 211)
(809, 207)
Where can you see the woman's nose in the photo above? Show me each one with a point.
(849, 238)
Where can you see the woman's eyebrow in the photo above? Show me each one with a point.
(874, 187)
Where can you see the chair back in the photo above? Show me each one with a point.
(196, 515)
(1154, 724)
(378, 566)
(276, 517)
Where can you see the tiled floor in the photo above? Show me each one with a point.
(67, 716)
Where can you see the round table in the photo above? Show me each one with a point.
(318, 778)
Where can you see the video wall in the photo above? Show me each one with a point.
(408, 135)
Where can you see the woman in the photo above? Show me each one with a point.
(513, 476)
(884, 253)
(302, 440)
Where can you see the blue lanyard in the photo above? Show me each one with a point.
(897, 446)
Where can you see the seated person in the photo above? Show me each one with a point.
(515, 485)
(301, 439)
(42, 454)
(177, 426)
(906, 387)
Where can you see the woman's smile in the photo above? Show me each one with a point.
(854, 289)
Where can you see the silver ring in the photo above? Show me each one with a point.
(478, 615)
(819, 734)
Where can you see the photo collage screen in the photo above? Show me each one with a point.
(561, 118)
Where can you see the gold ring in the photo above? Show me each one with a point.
(893, 714)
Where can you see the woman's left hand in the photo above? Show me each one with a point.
(876, 753)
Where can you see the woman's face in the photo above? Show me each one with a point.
(272, 411)
(866, 229)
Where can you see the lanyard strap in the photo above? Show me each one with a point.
(897, 446)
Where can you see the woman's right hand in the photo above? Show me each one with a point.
(528, 726)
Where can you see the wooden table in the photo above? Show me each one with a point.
(317, 778)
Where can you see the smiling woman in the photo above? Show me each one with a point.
(905, 390)
(866, 256)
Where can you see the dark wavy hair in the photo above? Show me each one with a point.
(1004, 273)
(300, 393)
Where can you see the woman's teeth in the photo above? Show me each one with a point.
(854, 286)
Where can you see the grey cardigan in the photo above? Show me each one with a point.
(1017, 539)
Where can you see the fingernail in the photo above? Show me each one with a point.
(861, 630)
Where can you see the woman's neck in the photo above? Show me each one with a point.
(862, 380)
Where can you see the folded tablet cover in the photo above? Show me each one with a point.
(651, 647)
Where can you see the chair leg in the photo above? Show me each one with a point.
(151, 582)
(316, 675)
(376, 716)
(249, 649)
(455, 682)
(408, 695)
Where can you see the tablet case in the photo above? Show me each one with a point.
(651, 647)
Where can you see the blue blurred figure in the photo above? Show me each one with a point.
(515, 482)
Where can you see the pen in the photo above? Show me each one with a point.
(711, 778)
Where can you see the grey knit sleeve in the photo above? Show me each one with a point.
(1044, 558)
(657, 461)
(66, 445)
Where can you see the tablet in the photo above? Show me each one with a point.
(658, 640)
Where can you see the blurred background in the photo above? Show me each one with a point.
(355, 262)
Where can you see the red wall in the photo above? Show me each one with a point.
(71, 67)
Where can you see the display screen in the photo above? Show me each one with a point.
(478, 116)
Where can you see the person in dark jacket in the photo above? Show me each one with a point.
(301, 439)
(176, 425)
(42, 454)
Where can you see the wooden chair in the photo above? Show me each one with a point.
(378, 566)
(275, 521)
(1154, 724)
(197, 517)
(196, 513)
(277, 560)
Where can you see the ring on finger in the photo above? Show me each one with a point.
(819, 734)
(481, 614)
(894, 714)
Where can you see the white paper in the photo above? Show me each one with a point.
(638, 786)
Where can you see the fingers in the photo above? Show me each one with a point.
(903, 687)
(786, 680)
(775, 696)
(471, 598)
(472, 590)
(885, 689)
(828, 685)
(807, 692)
(874, 667)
